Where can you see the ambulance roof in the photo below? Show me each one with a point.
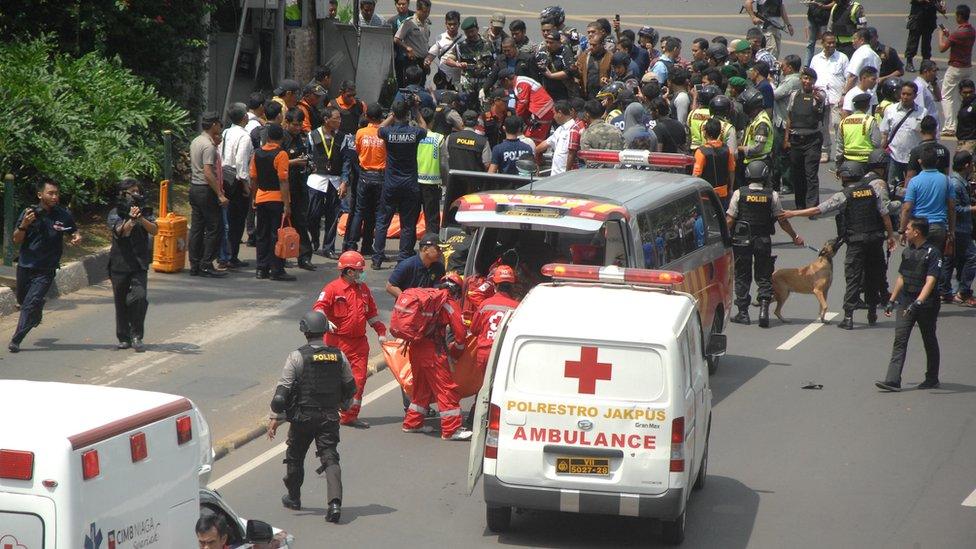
(632, 188)
(602, 312)
(34, 410)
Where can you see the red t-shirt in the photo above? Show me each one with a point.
(961, 46)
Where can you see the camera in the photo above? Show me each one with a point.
(126, 201)
(410, 97)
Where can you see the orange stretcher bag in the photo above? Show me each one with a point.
(467, 375)
(393, 231)
(287, 245)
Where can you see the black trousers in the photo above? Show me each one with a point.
(321, 426)
(805, 169)
(351, 200)
(266, 223)
(402, 199)
(917, 34)
(237, 210)
(926, 318)
(299, 219)
(324, 205)
(204, 226)
(430, 196)
(129, 289)
(753, 259)
(864, 267)
(32, 287)
(368, 196)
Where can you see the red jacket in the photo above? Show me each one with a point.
(451, 327)
(484, 325)
(532, 99)
(349, 306)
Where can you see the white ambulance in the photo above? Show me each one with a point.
(93, 467)
(596, 399)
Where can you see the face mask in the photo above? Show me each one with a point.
(361, 277)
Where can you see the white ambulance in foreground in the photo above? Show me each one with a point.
(596, 399)
(92, 467)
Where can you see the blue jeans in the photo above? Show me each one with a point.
(402, 199)
(961, 265)
(223, 253)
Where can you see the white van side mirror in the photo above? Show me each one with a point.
(716, 345)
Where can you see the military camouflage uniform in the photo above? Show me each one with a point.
(479, 57)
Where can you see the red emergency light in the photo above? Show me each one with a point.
(138, 447)
(16, 464)
(89, 464)
(639, 157)
(612, 273)
(184, 429)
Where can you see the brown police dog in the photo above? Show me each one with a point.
(814, 279)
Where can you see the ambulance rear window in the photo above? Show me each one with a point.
(583, 369)
(19, 529)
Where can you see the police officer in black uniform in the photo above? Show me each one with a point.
(863, 223)
(315, 384)
(917, 301)
(465, 151)
(752, 212)
(296, 145)
(804, 133)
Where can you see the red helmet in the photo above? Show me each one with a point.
(503, 273)
(452, 278)
(352, 260)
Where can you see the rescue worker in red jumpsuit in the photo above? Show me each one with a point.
(429, 359)
(348, 302)
(533, 104)
(484, 324)
(479, 288)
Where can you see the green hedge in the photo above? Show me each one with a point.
(83, 121)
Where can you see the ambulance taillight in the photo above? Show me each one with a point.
(491, 437)
(678, 445)
(16, 464)
(184, 429)
(89, 464)
(138, 448)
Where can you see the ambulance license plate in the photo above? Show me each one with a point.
(582, 466)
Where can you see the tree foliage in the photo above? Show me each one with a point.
(84, 121)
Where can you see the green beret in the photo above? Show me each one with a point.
(743, 45)
(738, 82)
(469, 23)
(729, 71)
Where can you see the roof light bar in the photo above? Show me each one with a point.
(639, 157)
(613, 274)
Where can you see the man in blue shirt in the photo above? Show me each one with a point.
(506, 154)
(662, 68)
(963, 260)
(759, 74)
(930, 197)
(40, 231)
(401, 190)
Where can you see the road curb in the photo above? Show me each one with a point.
(232, 442)
(71, 277)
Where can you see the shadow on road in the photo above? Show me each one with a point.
(733, 372)
(53, 344)
(721, 515)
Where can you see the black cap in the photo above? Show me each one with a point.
(862, 99)
(470, 118)
(506, 73)
(287, 85)
(429, 239)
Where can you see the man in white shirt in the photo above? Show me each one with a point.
(899, 130)
(559, 140)
(928, 90)
(868, 79)
(831, 67)
(236, 150)
(863, 56)
(255, 112)
(445, 42)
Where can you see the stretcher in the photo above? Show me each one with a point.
(467, 374)
(392, 232)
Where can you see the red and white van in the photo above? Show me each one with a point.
(93, 467)
(590, 405)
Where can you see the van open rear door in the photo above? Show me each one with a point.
(462, 182)
(482, 399)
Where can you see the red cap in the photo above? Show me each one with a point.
(503, 273)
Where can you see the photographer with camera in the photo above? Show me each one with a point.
(132, 225)
(39, 233)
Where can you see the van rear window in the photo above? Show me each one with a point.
(585, 369)
(21, 530)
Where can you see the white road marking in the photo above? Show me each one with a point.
(971, 500)
(197, 336)
(280, 449)
(804, 333)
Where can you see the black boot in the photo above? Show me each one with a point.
(848, 322)
(335, 510)
(291, 501)
(742, 317)
(764, 313)
(872, 315)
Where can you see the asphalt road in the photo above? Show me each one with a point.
(844, 466)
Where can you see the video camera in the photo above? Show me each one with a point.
(126, 201)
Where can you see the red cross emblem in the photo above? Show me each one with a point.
(588, 370)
